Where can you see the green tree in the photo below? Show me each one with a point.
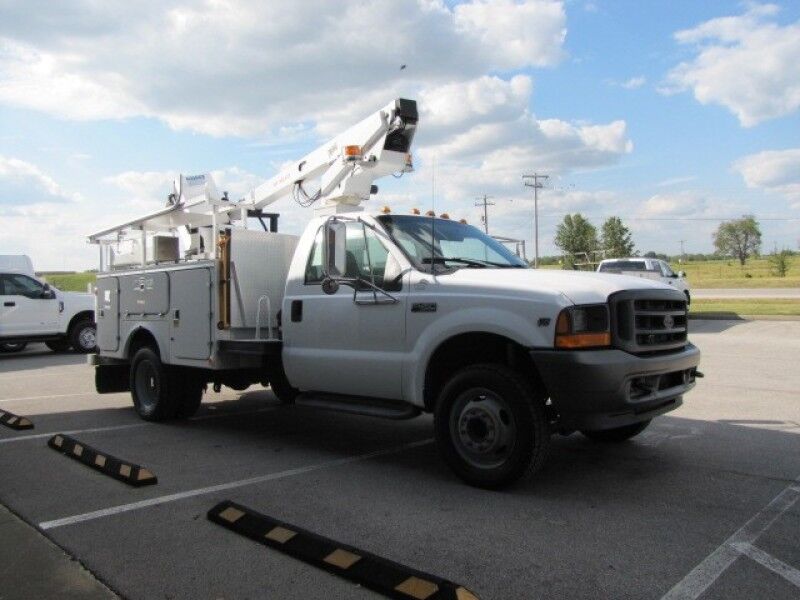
(616, 238)
(740, 238)
(576, 236)
(779, 262)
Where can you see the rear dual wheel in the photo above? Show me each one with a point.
(161, 392)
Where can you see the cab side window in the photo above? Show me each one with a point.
(21, 285)
(314, 268)
(367, 258)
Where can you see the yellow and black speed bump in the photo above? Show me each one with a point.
(11, 420)
(128, 472)
(378, 574)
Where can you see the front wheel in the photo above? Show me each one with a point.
(617, 434)
(490, 426)
(83, 336)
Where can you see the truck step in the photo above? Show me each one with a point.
(359, 405)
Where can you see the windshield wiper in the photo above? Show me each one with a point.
(473, 262)
(443, 259)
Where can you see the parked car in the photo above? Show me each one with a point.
(649, 268)
(33, 311)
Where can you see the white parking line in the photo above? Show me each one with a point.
(37, 436)
(47, 397)
(123, 508)
(773, 564)
(708, 571)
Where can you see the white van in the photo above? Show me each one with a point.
(649, 268)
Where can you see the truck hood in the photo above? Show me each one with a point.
(580, 287)
(76, 301)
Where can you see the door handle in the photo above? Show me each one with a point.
(297, 311)
(9, 303)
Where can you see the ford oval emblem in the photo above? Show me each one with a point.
(668, 322)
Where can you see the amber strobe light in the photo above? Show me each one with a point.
(583, 327)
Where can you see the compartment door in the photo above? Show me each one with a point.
(107, 316)
(190, 313)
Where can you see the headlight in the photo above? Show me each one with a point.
(583, 327)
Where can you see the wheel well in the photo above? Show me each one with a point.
(475, 348)
(139, 339)
(81, 316)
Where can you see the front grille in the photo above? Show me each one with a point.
(649, 321)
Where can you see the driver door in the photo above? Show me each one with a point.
(346, 342)
(27, 310)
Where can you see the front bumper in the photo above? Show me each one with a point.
(603, 389)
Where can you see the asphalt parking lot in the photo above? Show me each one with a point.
(702, 505)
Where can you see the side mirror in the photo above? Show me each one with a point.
(681, 274)
(335, 249)
(47, 292)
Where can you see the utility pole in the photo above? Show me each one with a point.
(536, 187)
(683, 255)
(484, 202)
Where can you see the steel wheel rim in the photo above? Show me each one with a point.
(482, 428)
(147, 384)
(87, 338)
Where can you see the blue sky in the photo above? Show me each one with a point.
(629, 116)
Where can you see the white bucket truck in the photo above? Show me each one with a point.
(382, 314)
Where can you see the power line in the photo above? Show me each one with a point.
(536, 187)
(484, 202)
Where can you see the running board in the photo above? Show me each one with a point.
(359, 405)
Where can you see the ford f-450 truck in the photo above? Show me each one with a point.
(383, 314)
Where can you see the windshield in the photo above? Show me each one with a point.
(623, 265)
(455, 245)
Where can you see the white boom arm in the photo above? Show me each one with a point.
(349, 163)
(346, 167)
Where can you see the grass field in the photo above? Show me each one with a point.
(69, 282)
(728, 274)
(752, 307)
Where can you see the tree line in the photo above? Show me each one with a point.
(578, 239)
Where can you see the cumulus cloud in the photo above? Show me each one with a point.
(245, 67)
(773, 170)
(634, 82)
(746, 63)
(23, 183)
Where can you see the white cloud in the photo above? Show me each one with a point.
(683, 204)
(746, 63)
(634, 82)
(23, 183)
(244, 68)
(773, 170)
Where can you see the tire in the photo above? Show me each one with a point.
(190, 393)
(152, 387)
(618, 434)
(60, 345)
(491, 427)
(83, 336)
(12, 347)
(280, 385)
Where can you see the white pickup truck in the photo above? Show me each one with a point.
(649, 268)
(34, 311)
(388, 315)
